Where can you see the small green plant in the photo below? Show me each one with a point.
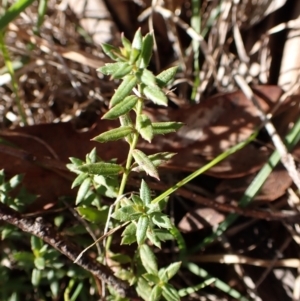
(145, 224)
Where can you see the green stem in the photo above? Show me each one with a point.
(133, 144)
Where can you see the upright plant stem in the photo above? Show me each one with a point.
(132, 147)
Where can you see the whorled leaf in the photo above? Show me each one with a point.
(156, 95)
(123, 107)
(156, 159)
(83, 189)
(145, 193)
(114, 134)
(166, 76)
(111, 51)
(162, 128)
(161, 220)
(112, 68)
(151, 235)
(148, 259)
(101, 168)
(148, 78)
(144, 127)
(136, 46)
(145, 163)
(124, 89)
(170, 293)
(129, 234)
(146, 52)
(125, 120)
(79, 179)
(155, 293)
(141, 229)
(170, 271)
(126, 213)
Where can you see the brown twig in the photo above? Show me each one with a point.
(47, 232)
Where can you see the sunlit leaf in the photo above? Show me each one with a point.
(83, 189)
(137, 200)
(123, 107)
(144, 127)
(156, 95)
(161, 128)
(148, 78)
(126, 43)
(115, 69)
(146, 51)
(143, 288)
(148, 259)
(129, 234)
(153, 237)
(141, 229)
(161, 220)
(125, 120)
(124, 89)
(101, 168)
(170, 293)
(111, 51)
(166, 76)
(136, 46)
(126, 213)
(156, 159)
(145, 193)
(170, 271)
(114, 134)
(143, 161)
(155, 293)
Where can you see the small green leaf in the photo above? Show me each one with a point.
(143, 161)
(92, 214)
(161, 220)
(123, 107)
(122, 71)
(82, 191)
(141, 229)
(156, 95)
(166, 76)
(114, 134)
(126, 43)
(161, 128)
(163, 234)
(111, 51)
(39, 263)
(143, 288)
(79, 179)
(36, 276)
(156, 159)
(146, 51)
(76, 161)
(170, 271)
(92, 156)
(128, 234)
(148, 259)
(124, 89)
(125, 120)
(101, 168)
(155, 293)
(136, 46)
(153, 237)
(117, 70)
(36, 245)
(137, 200)
(170, 293)
(148, 78)
(126, 213)
(144, 127)
(151, 278)
(145, 193)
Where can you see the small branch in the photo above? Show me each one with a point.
(48, 233)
